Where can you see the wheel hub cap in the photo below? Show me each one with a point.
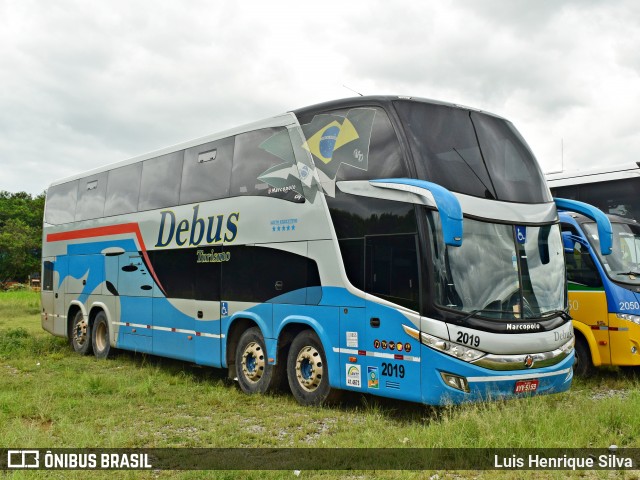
(309, 368)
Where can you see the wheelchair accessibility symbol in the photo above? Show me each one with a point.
(224, 309)
(521, 234)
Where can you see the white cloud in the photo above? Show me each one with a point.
(84, 83)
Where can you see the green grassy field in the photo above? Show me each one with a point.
(52, 398)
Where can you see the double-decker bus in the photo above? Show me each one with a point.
(604, 292)
(614, 189)
(395, 246)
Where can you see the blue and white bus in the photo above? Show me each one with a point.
(388, 245)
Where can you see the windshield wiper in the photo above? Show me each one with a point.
(475, 312)
(628, 273)
(557, 313)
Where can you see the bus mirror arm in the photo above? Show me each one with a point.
(436, 195)
(569, 241)
(605, 231)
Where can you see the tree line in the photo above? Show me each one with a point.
(20, 235)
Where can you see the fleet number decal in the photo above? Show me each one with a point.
(629, 305)
(468, 339)
(392, 370)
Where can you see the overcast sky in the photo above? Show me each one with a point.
(84, 83)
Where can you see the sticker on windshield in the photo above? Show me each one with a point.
(521, 234)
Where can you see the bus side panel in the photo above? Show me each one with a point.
(173, 328)
(208, 348)
(625, 341)
(47, 317)
(60, 270)
(624, 335)
(135, 324)
(589, 307)
(587, 333)
(392, 356)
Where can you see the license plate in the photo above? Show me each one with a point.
(526, 386)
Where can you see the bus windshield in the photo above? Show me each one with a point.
(501, 272)
(472, 153)
(623, 264)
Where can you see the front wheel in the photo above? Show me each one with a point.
(100, 336)
(582, 365)
(80, 334)
(308, 371)
(254, 373)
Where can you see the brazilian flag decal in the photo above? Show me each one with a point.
(334, 140)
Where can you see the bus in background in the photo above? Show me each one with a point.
(614, 190)
(395, 246)
(604, 292)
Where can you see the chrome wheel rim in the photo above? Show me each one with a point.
(253, 362)
(309, 368)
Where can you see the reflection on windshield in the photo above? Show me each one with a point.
(623, 264)
(494, 275)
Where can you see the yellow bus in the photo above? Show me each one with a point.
(604, 292)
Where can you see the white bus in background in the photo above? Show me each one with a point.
(614, 190)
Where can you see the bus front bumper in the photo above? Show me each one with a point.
(447, 380)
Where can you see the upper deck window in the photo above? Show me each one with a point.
(206, 173)
(123, 190)
(472, 153)
(61, 203)
(264, 164)
(91, 192)
(160, 184)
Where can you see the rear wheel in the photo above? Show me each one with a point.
(307, 370)
(254, 373)
(582, 365)
(100, 336)
(80, 334)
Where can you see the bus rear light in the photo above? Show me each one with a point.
(455, 381)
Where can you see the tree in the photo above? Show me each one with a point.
(20, 235)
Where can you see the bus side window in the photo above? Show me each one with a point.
(377, 236)
(61, 203)
(580, 267)
(47, 278)
(123, 190)
(255, 155)
(392, 269)
(206, 173)
(160, 184)
(91, 194)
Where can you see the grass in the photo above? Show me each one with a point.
(52, 398)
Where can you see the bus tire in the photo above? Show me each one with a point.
(254, 373)
(582, 365)
(100, 340)
(307, 370)
(80, 334)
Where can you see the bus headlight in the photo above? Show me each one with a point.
(630, 318)
(456, 350)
